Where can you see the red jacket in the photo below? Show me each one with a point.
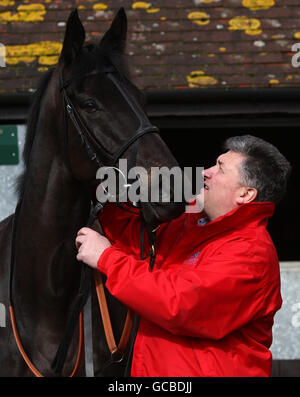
(207, 307)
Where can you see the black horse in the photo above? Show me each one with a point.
(57, 186)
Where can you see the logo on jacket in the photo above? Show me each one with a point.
(193, 259)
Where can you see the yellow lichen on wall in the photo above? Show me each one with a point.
(2, 53)
(49, 60)
(25, 13)
(28, 1)
(140, 5)
(198, 17)
(5, 3)
(274, 81)
(45, 52)
(250, 26)
(198, 78)
(256, 5)
(100, 7)
(143, 5)
(152, 10)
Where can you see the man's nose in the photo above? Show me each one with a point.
(207, 173)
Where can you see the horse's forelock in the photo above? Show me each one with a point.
(93, 56)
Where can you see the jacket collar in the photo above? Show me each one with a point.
(251, 214)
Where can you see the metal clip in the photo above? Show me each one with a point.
(69, 109)
(153, 249)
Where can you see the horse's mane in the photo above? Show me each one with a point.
(32, 120)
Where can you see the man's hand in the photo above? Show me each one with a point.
(90, 245)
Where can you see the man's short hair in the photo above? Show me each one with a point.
(264, 167)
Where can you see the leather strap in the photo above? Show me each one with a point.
(30, 365)
(116, 351)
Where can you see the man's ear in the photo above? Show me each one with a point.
(246, 194)
(73, 40)
(114, 39)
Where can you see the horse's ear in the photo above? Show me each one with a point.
(74, 39)
(115, 38)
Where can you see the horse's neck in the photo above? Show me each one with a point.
(53, 209)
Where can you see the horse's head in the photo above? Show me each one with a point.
(104, 117)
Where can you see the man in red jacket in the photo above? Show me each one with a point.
(207, 307)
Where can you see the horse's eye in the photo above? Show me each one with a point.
(90, 106)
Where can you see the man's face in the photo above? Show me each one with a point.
(222, 188)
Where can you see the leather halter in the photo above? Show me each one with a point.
(90, 143)
(85, 135)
